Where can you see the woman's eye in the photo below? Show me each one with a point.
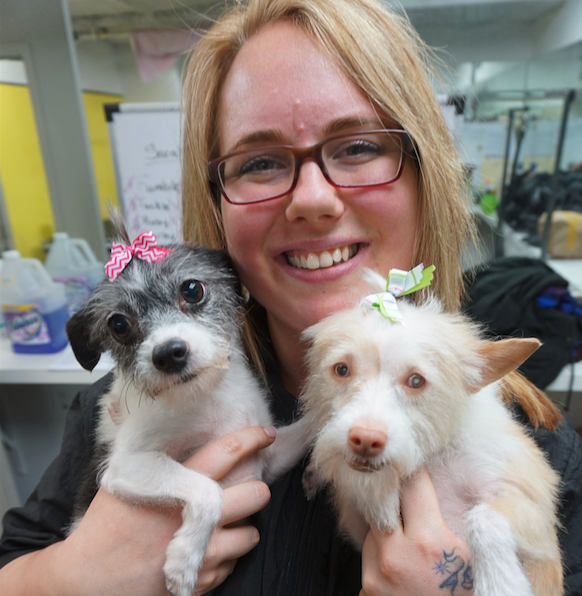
(193, 291)
(357, 150)
(261, 166)
(362, 148)
(415, 381)
(341, 369)
(120, 326)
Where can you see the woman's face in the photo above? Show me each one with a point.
(282, 89)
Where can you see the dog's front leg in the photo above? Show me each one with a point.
(290, 446)
(496, 567)
(155, 478)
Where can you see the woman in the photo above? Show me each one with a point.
(319, 74)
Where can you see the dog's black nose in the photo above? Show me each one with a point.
(171, 357)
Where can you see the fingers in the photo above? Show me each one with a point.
(226, 546)
(230, 544)
(419, 505)
(243, 500)
(217, 458)
(208, 579)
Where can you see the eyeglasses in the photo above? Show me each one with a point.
(368, 158)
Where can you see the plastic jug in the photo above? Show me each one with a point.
(34, 307)
(72, 262)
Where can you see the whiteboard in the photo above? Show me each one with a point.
(146, 148)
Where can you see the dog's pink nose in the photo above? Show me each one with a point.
(366, 442)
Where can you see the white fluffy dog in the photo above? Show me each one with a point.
(384, 399)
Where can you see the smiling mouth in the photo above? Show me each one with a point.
(324, 259)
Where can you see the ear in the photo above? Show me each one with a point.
(78, 330)
(501, 357)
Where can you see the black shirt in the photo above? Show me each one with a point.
(300, 552)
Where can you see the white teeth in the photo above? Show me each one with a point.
(312, 261)
(325, 259)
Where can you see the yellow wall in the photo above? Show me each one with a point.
(22, 171)
(101, 147)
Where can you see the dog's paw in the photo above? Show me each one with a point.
(175, 589)
(181, 572)
(186, 550)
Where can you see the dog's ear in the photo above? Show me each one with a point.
(501, 357)
(78, 331)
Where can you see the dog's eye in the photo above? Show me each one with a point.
(341, 369)
(120, 326)
(415, 381)
(193, 291)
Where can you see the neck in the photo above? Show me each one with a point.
(291, 355)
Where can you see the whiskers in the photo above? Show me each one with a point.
(123, 394)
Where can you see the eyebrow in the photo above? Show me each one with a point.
(342, 124)
(337, 126)
(260, 136)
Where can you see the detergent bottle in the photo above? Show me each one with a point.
(34, 307)
(72, 262)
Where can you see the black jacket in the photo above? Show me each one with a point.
(300, 552)
(503, 296)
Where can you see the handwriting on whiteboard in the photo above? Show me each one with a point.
(147, 150)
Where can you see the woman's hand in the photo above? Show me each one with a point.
(421, 556)
(119, 548)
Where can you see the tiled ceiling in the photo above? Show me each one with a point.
(112, 17)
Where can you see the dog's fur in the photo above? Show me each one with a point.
(495, 489)
(181, 380)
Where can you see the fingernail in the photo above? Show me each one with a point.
(270, 431)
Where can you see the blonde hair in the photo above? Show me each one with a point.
(379, 51)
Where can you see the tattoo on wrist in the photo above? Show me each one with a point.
(457, 572)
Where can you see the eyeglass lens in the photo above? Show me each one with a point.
(363, 159)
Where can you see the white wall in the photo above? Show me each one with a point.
(109, 67)
(477, 54)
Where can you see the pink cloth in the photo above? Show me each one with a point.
(155, 51)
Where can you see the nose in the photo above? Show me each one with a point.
(314, 199)
(366, 442)
(171, 356)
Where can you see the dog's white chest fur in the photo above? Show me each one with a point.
(181, 420)
(148, 438)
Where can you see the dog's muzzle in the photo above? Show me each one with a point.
(171, 357)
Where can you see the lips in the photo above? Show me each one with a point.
(323, 259)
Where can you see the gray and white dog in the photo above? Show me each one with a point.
(181, 380)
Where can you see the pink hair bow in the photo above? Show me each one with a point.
(143, 247)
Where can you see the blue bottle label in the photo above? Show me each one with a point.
(26, 325)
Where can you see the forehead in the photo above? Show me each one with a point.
(282, 83)
(367, 334)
